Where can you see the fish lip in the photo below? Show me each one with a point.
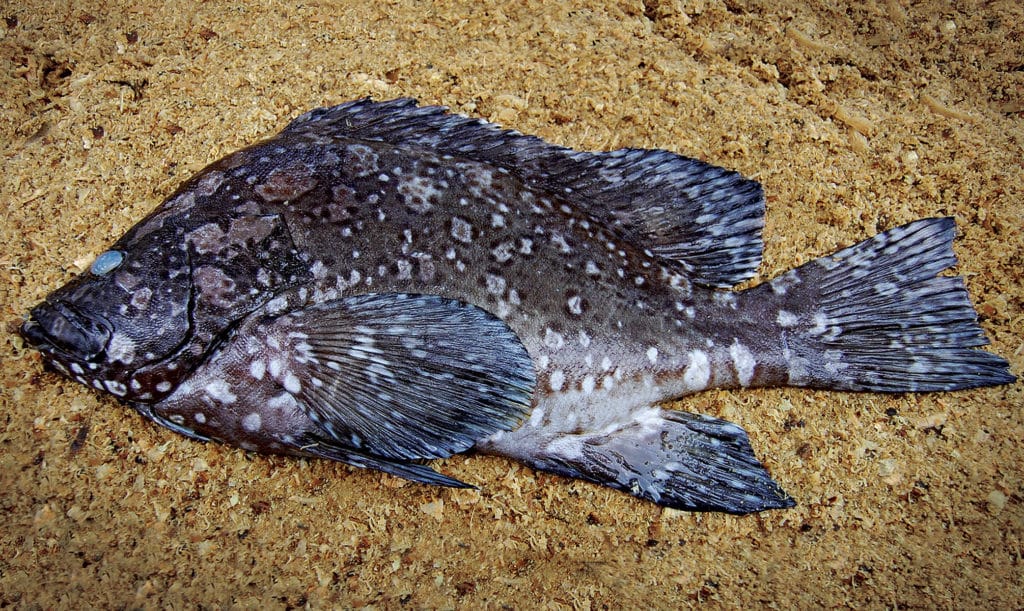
(61, 330)
(33, 333)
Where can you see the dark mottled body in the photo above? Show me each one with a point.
(382, 283)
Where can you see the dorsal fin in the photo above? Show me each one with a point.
(707, 218)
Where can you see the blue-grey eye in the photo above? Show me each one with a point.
(107, 262)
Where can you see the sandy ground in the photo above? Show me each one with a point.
(856, 119)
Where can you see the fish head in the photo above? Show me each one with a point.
(156, 305)
(120, 323)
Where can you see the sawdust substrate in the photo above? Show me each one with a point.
(855, 118)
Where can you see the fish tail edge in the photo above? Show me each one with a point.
(878, 317)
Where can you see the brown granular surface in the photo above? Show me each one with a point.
(855, 118)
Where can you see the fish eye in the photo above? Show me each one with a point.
(107, 262)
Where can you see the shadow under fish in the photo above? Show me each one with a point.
(382, 284)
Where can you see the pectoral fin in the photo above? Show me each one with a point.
(396, 377)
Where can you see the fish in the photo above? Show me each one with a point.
(384, 284)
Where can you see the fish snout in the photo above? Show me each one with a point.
(60, 326)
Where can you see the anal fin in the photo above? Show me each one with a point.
(675, 459)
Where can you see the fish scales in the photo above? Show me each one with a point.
(382, 283)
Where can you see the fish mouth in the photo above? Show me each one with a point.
(60, 328)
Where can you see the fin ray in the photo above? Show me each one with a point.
(404, 377)
(877, 317)
(676, 459)
(415, 472)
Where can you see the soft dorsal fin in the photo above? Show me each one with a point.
(705, 217)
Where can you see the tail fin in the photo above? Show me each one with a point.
(675, 459)
(877, 317)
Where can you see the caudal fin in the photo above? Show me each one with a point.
(877, 317)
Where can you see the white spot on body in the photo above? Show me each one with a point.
(743, 361)
(787, 319)
(495, 284)
(557, 380)
(319, 270)
(292, 384)
(652, 355)
(560, 242)
(220, 391)
(141, 297)
(121, 348)
(782, 284)
(252, 422)
(116, 387)
(698, 371)
(276, 305)
(575, 305)
(823, 325)
(462, 230)
(725, 298)
(503, 252)
(404, 269)
(282, 401)
(419, 193)
(553, 339)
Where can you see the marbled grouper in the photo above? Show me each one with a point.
(383, 283)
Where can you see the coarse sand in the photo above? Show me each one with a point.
(856, 118)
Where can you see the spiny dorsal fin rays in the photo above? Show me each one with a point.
(402, 376)
(681, 209)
